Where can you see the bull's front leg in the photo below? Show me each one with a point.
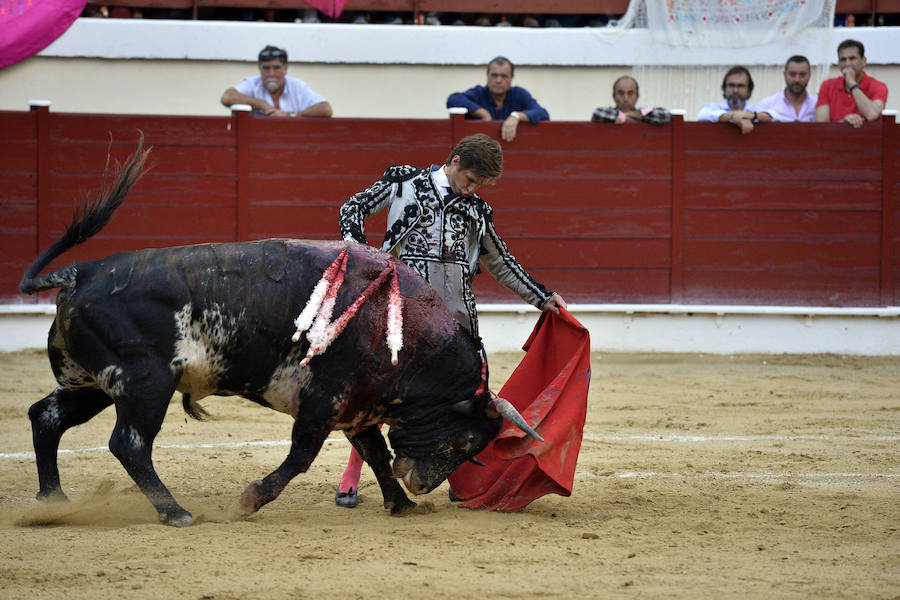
(371, 446)
(306, 441)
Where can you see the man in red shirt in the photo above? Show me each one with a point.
(854, 97)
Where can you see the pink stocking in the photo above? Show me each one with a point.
(350, 479)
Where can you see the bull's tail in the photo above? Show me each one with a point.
(86, 223)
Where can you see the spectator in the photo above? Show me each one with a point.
(273, 93)
(438, 226)
(499, 99)
(625, 95)
(854, 97)
(793, 103)
(737, 86)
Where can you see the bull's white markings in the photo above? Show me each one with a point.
(71, 375)
(135, 439)
(50, 416)
(316, 315)
(110, 381)
(283, 391)
(198, 349)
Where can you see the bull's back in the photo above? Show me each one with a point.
(220, 316)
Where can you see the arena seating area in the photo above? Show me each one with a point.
(529, 13)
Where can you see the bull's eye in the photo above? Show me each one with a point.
(471, 440)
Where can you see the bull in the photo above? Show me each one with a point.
(215, 319)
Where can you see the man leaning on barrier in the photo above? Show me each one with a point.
(854, 97)
(500, 100)
(625, 95)
(273, 93)
(793, 103)
(737, 86)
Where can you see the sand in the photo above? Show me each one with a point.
(700, 477)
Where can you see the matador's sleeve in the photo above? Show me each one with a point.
(499, 262)
(373, 199)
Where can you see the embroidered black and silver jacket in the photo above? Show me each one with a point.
(442, 239)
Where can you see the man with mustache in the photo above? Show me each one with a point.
(273, 94)
(736, 89)
(854, 97)
(793, 103)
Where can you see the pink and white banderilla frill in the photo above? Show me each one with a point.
(316, 315)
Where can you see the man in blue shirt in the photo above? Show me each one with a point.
(500, 100)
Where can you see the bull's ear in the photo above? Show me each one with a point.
(463, 407)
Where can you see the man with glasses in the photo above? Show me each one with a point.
(273, 93)
(733, 108)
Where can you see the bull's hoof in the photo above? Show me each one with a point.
(56, 495)
(347, 499)
(176, 519)
(411, 508)
(251, 499)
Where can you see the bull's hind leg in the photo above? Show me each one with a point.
(140, 409)
(371, 446)
(50, 418)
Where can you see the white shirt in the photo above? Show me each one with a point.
(441, 182)
(297, 94)
(785, 110)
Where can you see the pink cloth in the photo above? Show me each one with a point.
(331, 8)
(29, 26)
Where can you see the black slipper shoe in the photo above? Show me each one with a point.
(346, 499)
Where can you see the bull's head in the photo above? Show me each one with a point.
(428, 450)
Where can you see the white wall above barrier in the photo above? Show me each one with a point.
(408, 44)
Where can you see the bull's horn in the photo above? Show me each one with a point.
(509, 412)
(475, 461)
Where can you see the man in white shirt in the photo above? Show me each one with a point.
(793, 103)
(737, 86)
(273, 93)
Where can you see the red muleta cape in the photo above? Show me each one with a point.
(549, 388)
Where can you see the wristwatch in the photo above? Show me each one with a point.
(853, 87)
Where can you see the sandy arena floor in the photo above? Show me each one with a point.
(699, 477)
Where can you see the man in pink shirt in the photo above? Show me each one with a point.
(854, 97)
(793, 103)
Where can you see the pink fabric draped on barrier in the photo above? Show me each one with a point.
(29, 26)
(330, 8)
(549, 388)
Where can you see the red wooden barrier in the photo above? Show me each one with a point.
(688, 213)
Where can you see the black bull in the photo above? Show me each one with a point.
(217, 319)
